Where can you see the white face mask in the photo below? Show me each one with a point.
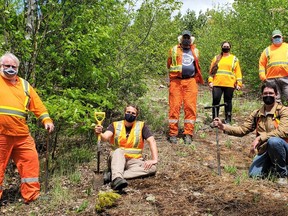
(10, 72)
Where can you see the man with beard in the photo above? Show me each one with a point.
(127, 138)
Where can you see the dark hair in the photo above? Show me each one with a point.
(269, 85)
(226, 42)
(134, 106)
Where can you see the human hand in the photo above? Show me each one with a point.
(218, 123)
(149, 163)
(238, 87)
(210, 85)
(98, 129)
(49, 126)
(253, 147)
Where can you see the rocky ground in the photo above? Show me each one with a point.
(187, 183)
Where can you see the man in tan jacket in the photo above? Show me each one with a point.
(270, 144)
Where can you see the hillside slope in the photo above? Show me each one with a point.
(187, 183)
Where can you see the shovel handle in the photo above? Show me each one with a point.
(99, 117)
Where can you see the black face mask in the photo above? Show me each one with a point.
(129, 117)
(186, 42)
(225, 50)
(268, 100)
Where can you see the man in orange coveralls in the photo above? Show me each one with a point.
(17, 98)
(184, 74)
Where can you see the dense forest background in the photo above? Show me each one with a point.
(84, 56)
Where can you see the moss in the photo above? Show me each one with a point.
(106, 200)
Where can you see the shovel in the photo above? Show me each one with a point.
(99, 117)
(217, 140)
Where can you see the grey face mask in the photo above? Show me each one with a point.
(10, 72)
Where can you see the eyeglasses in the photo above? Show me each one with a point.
(132, 113)
(8, 66)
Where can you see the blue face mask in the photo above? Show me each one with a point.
(277, 40)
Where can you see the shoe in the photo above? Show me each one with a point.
(173, 139)
(119, 184)
(188, 139)
(282, 181)
(107, 177)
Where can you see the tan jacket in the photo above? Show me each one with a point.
(265, 125)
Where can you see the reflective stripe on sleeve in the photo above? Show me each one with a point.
(29, 180)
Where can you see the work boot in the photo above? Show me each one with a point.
(173, 139)
(107, 177)
(119, 184)
(228, 118)
(188, 139)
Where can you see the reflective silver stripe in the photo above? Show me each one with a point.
(117, 132)
(132, 151)
(267, 52)
(234, 63)
(173, 121)
(7, 111)
(176, 68)
(137, 134)
(174, 54)
(29, 180)
(189, 121)
(26, 92)
(225, 73)
(43, 116)
(277, 63)
(261, 71)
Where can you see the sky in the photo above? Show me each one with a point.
(197, 5)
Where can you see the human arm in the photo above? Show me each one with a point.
(154, 153)
(245, 128)
(38, 108)
(104, 136)
(238, 75)
(210, 78)
(262, 66)
(253, 149)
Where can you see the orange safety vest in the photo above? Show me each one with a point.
(134, 144)
(174, 63)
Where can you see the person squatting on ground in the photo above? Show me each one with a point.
(127, 138)
(271, 125)
(184, 74)
(273, 65)
(224, 77)
(17, 98)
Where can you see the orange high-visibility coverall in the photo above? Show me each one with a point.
(182, 90)
(15, 139)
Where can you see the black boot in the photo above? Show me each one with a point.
(228, 118)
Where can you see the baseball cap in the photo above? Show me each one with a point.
(186, 32)
(276, 33)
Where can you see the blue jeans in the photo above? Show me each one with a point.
(275, 157)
